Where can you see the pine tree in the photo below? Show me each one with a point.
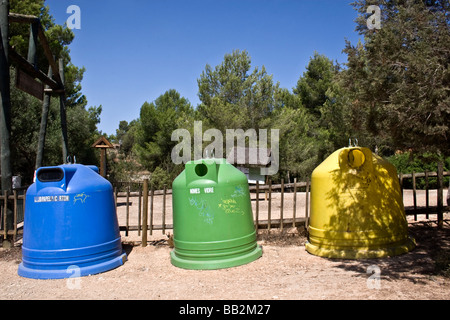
(399, 78)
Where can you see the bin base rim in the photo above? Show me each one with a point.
(360, 252)
(26, 272)
(215, 264)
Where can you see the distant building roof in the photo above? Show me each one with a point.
(102, 142)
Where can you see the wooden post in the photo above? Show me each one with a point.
(151, 210)
(265, 191)
(103, 162)
(5, 118)
(128, 210)
(43, 128)
(164, 212)
(115, 198)
(427, 194)
(62, 111)
(257, 206)
(414, 195)
(15, 214)
(294, 211)
(307, 205)
(5, 100)
(269, 209)
(5, 209)
(440, 195)
(282, 204)
(144, 213)
(139, 210)
(400, 180)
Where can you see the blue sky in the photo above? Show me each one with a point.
(135, 50)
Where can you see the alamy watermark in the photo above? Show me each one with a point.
(74, 280)
(257, 142)
(74, 20)
(374, 281)
(374, 21)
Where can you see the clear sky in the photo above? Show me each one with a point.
(135, 50)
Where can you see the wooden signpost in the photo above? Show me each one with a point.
(31, 80)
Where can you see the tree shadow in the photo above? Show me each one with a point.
(122, 204)
(358, 207)
(431, 257)
(127, 248)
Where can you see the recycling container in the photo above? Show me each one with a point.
(357, 208)
(212, 217)
(70, 226)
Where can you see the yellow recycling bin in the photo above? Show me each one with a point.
(357, 208)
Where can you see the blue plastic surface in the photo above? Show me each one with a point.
(70, 226)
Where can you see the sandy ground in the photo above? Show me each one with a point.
(284, 272)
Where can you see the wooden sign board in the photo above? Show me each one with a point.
(29, 85)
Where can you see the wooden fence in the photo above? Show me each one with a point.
(12, 204)
(279, 216)
(266, 214)
(268, 221)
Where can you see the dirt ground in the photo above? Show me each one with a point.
(286, 271)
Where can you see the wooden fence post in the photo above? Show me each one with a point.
(62, 115)
(164, 212)
(128, 210)
(282, 204)
(144, 213)
(414, 195)
(269, 212)
(151, 210)
(139, 210)
(440, 195)
(257, 206)
(5, 215)
(15, 215)
(115, 197)
(400, 180)
(295, 203)
(427, 194)
(307, 204)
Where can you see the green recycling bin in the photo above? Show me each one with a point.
(212, 217)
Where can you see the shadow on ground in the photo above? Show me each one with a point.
(431, 257)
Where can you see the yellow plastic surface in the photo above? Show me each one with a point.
(357, 208)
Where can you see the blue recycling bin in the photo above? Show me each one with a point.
(70, 226)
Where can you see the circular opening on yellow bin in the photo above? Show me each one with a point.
(201, 169)
(356, 158)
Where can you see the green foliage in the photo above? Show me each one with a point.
(122, 169)
(157, 121)
(298, 149)
(313, 86)
(160, 178)
(399, 78)
(408, 162)
(125, 136)
(326, 126)
(232, 97)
